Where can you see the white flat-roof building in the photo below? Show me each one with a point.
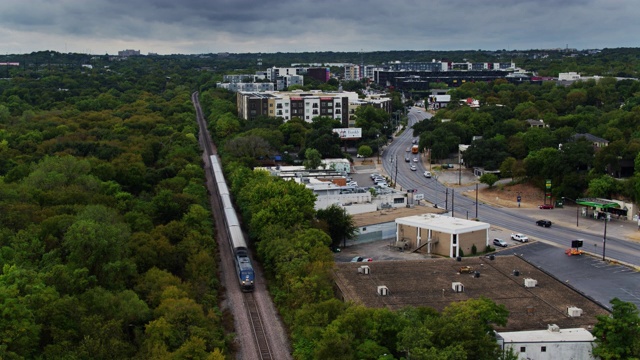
(553, 343)
(442, 235)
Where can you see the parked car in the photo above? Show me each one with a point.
(413, 168)
(352, 183)
(544, 222)
(414, 141)
(519, 237)
(361, 259)
(374, 175)
(545, 206)
(359, 156)
(500, 242)
(427, 174)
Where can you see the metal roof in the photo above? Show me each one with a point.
(601, 203)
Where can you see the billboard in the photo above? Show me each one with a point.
(349, 133)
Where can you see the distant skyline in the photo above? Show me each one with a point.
(269, 26)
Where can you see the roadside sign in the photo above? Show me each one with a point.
(418, 196)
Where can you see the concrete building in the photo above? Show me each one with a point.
(551, 344)
(305, 105)
(442, 235)
(247, 86)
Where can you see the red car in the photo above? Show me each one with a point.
(545, 206)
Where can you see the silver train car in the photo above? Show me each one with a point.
(244, 268)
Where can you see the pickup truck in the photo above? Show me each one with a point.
(519, 237)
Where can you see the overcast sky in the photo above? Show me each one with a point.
(243, 26)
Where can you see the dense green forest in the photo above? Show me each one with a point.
(106, 238)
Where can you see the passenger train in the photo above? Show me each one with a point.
(244, 269)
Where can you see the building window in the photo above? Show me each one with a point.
(271, 105)
(279, 106)
(286, 111)
(330, 104)
(337, 111)
(543, 349)
(315, 112)
(523, 349)
(315, 106)
(398, 200)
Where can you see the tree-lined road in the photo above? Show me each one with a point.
(435, 192)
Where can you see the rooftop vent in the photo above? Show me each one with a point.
(529, 283)
(516, 273)
(364, 269)
(573, 311)
(553, 328)
(383, 290)
(457, 287)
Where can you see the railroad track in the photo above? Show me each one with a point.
(259, 334)
(253, 313)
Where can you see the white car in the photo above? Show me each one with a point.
(427, 174)
(519, 237)
(415, 159)
(413, 168)
(352, 183)
(359, 156)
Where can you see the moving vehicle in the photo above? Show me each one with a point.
(414, 149)
(545, 206)
(544, 222)
(413, 168)
(427, 174)
(406, 159)
(361, 259)
(500, 242)
(519, 237)
(244, 268)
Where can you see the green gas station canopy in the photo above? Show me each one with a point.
(601, 203)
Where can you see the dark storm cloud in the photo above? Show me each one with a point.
(196, 26)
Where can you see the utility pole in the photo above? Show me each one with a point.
(446, 199)
(604, 237)
(396, 181)
(476, 200)
(453, 196)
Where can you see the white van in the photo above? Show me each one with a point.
(427, 174)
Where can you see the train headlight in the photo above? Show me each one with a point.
(242, 282)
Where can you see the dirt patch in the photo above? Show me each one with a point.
(506, 195)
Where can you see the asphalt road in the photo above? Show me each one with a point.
(589, 274)
(615, 245)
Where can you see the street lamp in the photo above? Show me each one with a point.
(378, 142)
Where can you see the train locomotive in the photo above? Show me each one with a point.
(244, 268)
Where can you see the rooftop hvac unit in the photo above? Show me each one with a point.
(553, 328)
(574, 311)
(457, 287)
(383, 290)
(529, 283)
(364, 269)
(516, 273)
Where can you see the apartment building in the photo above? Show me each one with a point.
(305, 105)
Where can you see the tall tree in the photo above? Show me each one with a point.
(339, 224)
(618, 335)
